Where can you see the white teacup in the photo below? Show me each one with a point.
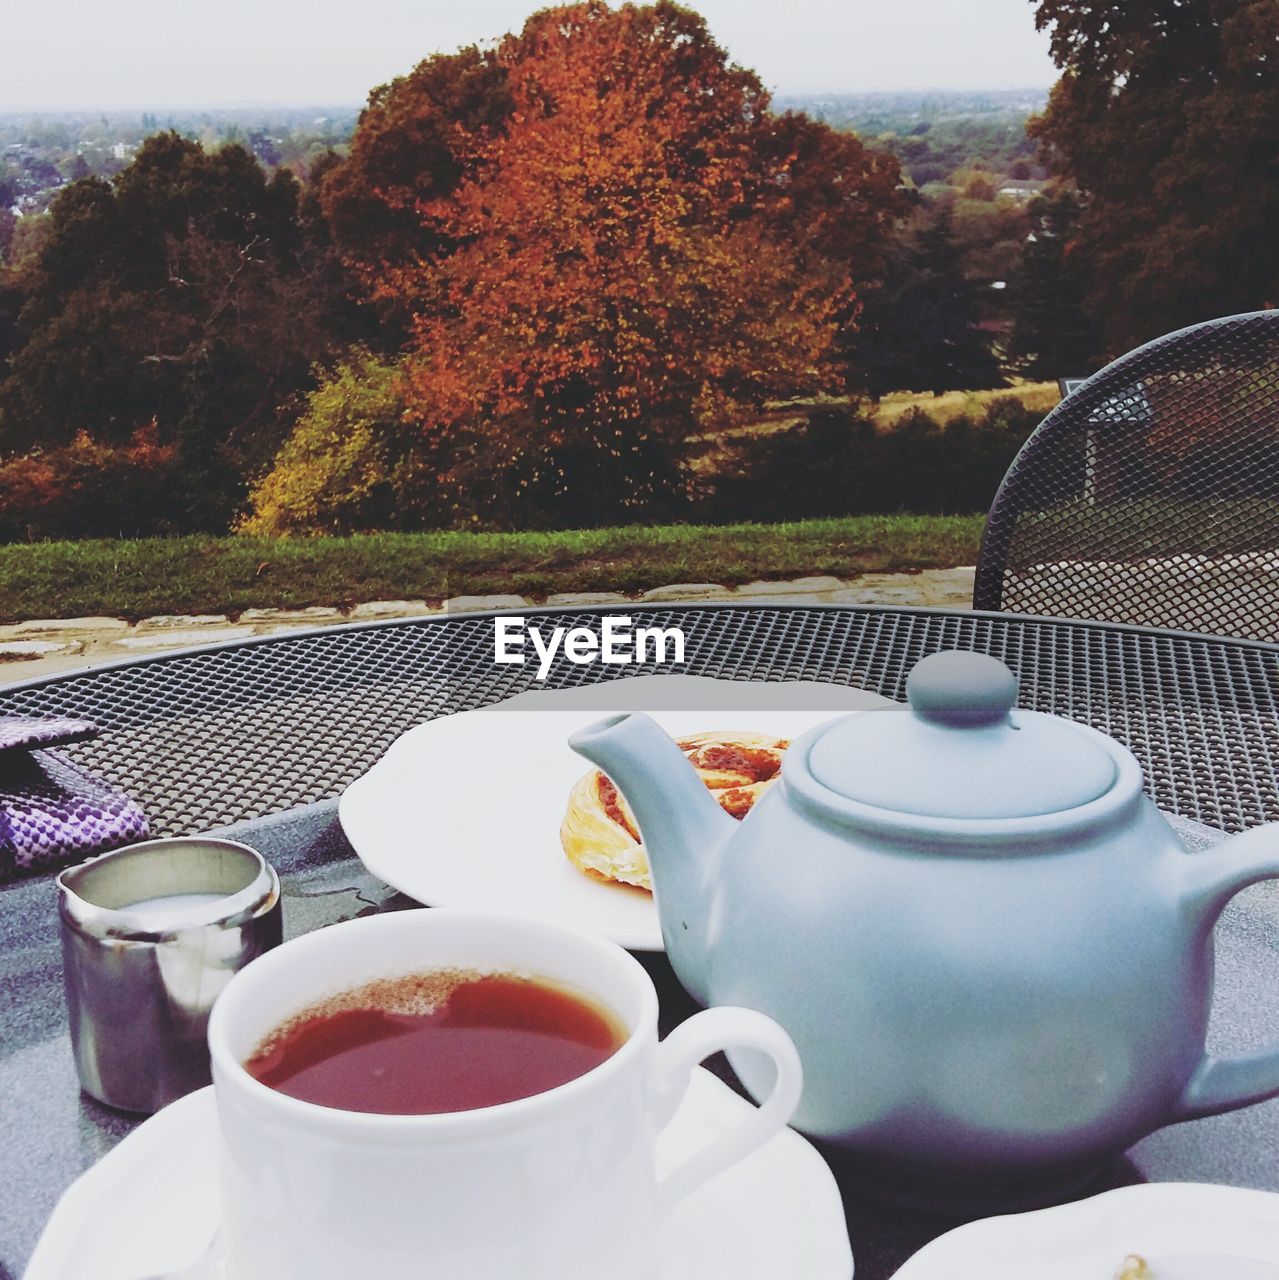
(558, 1186)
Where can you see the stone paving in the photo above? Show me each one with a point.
(42, 646)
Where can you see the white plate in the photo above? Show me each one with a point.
(151, 1204)
(465, 811)
(1185, 1231)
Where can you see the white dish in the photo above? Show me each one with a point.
(151, 1204)
(1185, 1231)
(465, 811)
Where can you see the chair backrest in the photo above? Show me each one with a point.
(1150, 495)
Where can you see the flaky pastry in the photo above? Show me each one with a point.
(1134, 1268)
(599, 832)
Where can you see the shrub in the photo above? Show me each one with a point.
(837, 463)
(86, 489)
(343, 465)
(358, 460)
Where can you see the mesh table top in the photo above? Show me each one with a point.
(234, 733)
(209, 737)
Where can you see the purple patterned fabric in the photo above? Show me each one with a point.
(52, 812)
(25, 733)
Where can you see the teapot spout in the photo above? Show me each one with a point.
(682, 826)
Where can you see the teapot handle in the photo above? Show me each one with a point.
(1222, 1084)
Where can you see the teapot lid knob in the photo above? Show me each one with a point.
(961, 689)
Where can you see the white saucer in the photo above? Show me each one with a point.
(1185, 1231)
(465, 811)
(151, 1204)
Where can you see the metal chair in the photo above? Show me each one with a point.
(1150, 495)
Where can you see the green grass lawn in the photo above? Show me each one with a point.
(1160, 526)
(134, 579)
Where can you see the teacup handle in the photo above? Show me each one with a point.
(703, 1034)
(1222, 1084)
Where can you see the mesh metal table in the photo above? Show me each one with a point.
(262, 735)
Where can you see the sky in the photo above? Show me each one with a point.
(171, 53)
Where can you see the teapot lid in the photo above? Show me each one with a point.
(961, 749)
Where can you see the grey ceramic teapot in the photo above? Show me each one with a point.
(991, 949)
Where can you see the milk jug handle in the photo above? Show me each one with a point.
(1224, 1083)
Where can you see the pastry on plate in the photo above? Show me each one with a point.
(599, 832)
(1134, 1268)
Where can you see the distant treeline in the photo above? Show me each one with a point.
(939, 135)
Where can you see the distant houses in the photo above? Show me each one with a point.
(1020, 190)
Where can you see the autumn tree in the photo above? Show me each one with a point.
(1166, 116)
(632, 253)
(842, 208)
(610, 292)
(183, 295)
(407, 152)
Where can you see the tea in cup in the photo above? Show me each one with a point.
(448, 1093)
(446, 1040)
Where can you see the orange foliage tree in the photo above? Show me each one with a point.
(620, 248)
(625, 274)
(406, 152)
(87, 489)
